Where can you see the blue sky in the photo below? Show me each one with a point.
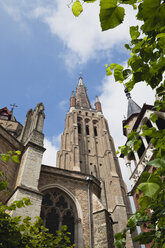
(43, 48)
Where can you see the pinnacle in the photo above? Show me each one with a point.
(97, 99)
(81, 83)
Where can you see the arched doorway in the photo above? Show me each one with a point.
(57, 210)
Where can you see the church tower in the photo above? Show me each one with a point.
(85, 191)
(87, 147)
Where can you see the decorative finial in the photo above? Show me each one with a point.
(13, 106)
(96, 99)
(73, 95)
(80, 83)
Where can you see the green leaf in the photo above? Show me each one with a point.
(118, 73)
(127, 46)
(110, 14)
(3, 185)
(108, 71)
(15, 159)
(132, 221)
(18, 152)
(134, 32)
(112, 66)
(153, 117)
(126, 126)
(5, 157)
(149, 189)
(160, 35)
(77, 8)
(10, 152)
(89, 1)
(126, 73)
(144, 176)
(137, 145)
(107, 4)
(158, 162)
(145, 237)
(144, 202)
(128, 1)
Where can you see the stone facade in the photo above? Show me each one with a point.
(85, 190)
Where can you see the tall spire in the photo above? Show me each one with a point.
(81, 95)
(133, 108)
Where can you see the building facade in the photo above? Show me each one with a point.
(85, 191)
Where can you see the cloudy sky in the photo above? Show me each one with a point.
(43, 49)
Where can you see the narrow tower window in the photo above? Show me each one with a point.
(79, 128)
(87, 130)
(95, 131)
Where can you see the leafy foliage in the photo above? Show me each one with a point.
(15, 232)
(13, 155)
(77, 8)
(111, 15)
(146, 63)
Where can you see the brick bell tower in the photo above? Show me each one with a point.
(87, 147)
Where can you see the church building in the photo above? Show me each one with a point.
(85, 191)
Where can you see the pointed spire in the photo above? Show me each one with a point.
(133, 108)
(98, 104)
(81, 95)
(73, 100)
(73, 95)
(80, 82)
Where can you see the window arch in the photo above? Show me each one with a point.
(58, 209)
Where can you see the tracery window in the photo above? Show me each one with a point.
(58, 210)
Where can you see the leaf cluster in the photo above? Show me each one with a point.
(15, 232)
(13, 155)
(151, 214)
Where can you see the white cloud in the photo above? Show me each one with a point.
(82, 36)
(49, 157)
(63, 104)
(56, 140)
(52, 145)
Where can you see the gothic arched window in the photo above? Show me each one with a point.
(58, 210)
